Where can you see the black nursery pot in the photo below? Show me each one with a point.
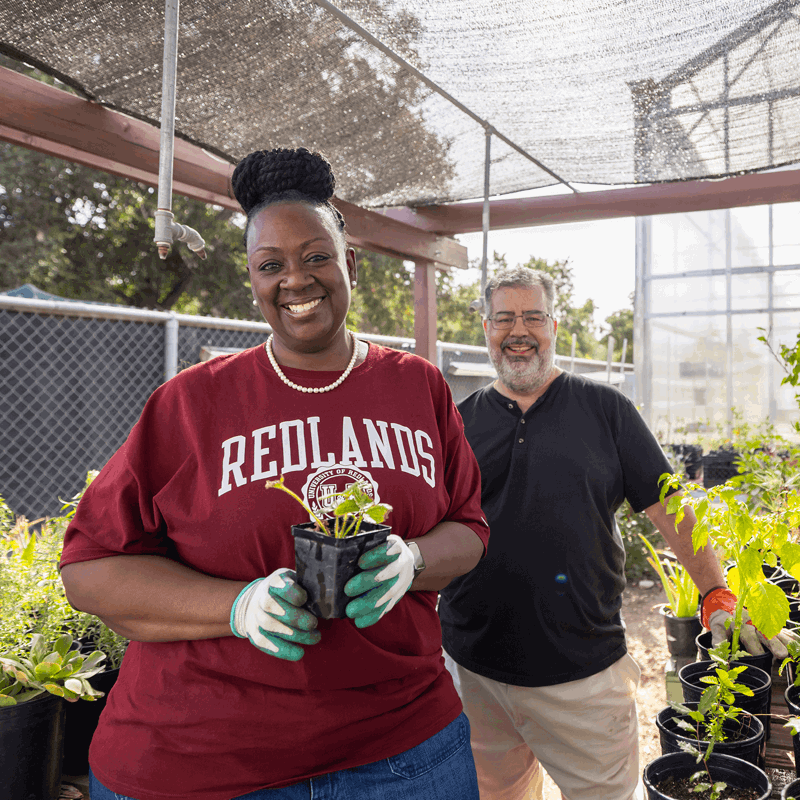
(81, 722)
(790, 586)
(792, 695)
(31, 743)
(763, 661)
(745, 736)
(756, 679)
(733, 771)
(681, 633)
(325, 564)
(791, 790)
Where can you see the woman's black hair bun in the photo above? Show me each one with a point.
(265, 173)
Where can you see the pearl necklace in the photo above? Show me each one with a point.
(320, 389)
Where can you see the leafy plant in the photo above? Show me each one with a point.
(632, 528)
(682, 595)
(355, 504)
(32, 596)
(55, 668)
(747, 539)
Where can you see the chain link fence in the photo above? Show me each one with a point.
(74, 378)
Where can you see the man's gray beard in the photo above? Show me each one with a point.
(524, 375)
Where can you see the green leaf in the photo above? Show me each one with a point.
(378, 513)
(62, 645)
(750, 566)
(46, 670)
(685, 726)
(768, 607)
(6, 700)
(26, 557)
(349, 506)
(54, 689)
(793, 724)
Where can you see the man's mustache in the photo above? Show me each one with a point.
(520, 341)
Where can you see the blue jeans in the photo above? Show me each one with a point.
(440, 767)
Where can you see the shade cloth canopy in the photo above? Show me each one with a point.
(637, 91)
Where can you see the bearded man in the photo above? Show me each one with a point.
(533, 635)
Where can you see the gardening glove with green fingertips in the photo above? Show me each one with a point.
(388, 571)
(717, 613)
(269, 613)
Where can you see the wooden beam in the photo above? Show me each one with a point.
(425, 310)
(54, 122)
(661, 198)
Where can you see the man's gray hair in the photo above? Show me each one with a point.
(523, 278)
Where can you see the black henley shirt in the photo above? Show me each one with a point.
(543, 605)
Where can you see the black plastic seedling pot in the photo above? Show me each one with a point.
(325, 564)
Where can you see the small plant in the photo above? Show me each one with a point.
(59, 670)
(682, 595)
(355, 504)
(714, 709)
(701, 784)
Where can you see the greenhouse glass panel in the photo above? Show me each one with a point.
(709, 284)
(750, 236)
(750, 292)
(786, 234)
(704, 293)
(787, 289)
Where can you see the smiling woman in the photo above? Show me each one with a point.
(231, 687)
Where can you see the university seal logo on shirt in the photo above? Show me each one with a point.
(322, 487)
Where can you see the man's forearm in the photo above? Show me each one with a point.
(151, 598)
(449, 549)
(703, 566)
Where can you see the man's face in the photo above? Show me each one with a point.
(524, 358)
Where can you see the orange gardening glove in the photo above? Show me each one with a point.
(718, 607)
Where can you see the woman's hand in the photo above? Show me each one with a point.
(388, 571)
(269, 613)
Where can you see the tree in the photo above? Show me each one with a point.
(383, 301)
(83, 234)
(620, 325)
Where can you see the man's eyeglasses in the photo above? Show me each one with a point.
(504, 320)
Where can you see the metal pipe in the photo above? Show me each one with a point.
(609, 358)
(364, 33)
(166, 229)
(164, 216)
(572, 352)
(485, 217)
(171, 347)
(624, 354)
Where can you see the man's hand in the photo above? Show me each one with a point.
(717, 615)
(388, 571)
(268, 612)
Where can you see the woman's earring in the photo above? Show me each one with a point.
(254, 302)
(353, 283)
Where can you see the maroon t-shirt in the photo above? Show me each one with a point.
(217, 718)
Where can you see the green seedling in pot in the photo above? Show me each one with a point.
(701, 784)
(715, 707)
(682, 595)
(355, 503)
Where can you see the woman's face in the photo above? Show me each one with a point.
(300, 273)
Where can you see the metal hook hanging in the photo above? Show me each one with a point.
(167, 230)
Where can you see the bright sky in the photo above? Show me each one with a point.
(602, 254)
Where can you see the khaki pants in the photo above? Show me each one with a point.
(584, 733)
